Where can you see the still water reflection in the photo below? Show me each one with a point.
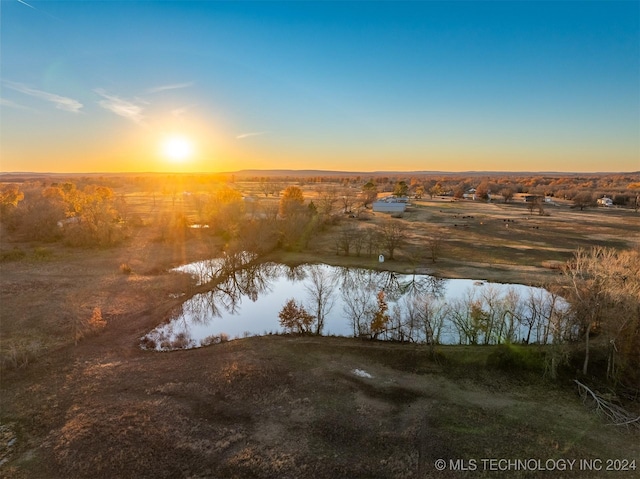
(243, 298)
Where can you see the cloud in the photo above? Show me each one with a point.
(11, 104)
(25, 3)
(247, 135)
(61, 102)
(121, 107)
(175, 86)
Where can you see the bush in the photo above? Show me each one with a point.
(19, 354)
(15, 254)
(509, 357)
(215, 339)
(41, 253)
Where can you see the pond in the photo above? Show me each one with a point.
(240, 297)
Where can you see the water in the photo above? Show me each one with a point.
(244, 299)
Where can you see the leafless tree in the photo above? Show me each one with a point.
(604, 295)
(327, 200)
(320, 291)
(358, 295)
(392, 236)
(435, 241)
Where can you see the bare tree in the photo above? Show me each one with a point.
(435, 243)
(583, 200)
(320, 290)
(392, 236)
(605, 299)
(348, 198)
(327, 200)
(357, 295)
(507, 194)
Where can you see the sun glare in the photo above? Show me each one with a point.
(177, 148)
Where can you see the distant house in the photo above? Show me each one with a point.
(604, 201)
(470, 194)
(390, 204)
(68, 221)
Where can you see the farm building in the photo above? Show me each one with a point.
(604, 201)
(390, 204)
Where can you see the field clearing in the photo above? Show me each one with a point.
(282, 406)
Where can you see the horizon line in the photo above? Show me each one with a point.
(320, 171)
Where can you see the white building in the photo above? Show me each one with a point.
(390, 204)
(604, 201)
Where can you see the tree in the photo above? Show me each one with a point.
(483, 190)
(436, 190)
(224, 212)
(583, 200)
(350, 238)
(401, 189)
(97, 214)
(435, 242)
(357, 294)
(380, 317)
(10, 196)
(507, 194)
(327, 199)
(369, 193)
(392, 236)
(37, 216)
(320, 290)
(348, 198)
(292, 201)
(604, 295)
(294, 318)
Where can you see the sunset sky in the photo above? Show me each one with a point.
(108, 86)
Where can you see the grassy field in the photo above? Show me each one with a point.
(284, 406)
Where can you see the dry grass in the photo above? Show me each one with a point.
(281, 406)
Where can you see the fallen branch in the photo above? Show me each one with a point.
(616, 415)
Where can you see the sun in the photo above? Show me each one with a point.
(177, 148)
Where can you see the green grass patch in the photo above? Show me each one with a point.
(513, 358)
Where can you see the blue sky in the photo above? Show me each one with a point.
(454, 86)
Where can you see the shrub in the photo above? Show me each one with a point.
(510, 357)
(19, 354)
(15, 254)
(41, 253)
(215, 339)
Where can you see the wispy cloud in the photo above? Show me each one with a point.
(247, 135)
(37, 9)
(121, 107)
(25, 3)
(179, 113)
(175, 86)
(61, 102)
(12, 104)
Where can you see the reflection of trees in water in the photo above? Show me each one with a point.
(228, 280)
(295, 273)
(358, 287)
(419, 310)
(417, 315)
(226, 294)
(320, 291)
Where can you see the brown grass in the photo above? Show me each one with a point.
(280, 406)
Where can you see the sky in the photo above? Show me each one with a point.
(200, 86)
